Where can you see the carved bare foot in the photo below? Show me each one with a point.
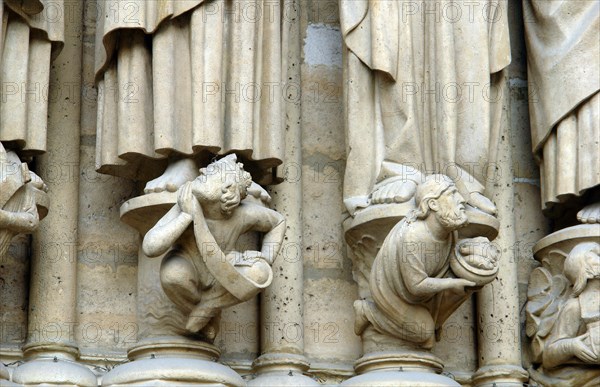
(197, 321)
(176, 174)
(590, 214)
(428, 344)
(394, 191)
(482, 203)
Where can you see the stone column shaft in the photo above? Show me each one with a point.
(499, 342)
(282, 340)
(282, 301)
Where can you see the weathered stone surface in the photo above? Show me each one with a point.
(80, 290)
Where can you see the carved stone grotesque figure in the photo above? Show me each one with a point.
(182, 81)
(564, 104)
(563, 316)
(422, 273)
(203, 271)
(423, 85)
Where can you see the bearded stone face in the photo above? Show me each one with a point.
(451, 213)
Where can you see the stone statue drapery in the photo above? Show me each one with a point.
(421, 79)
(188, 78)
(29, 38)
(564, 105)
(31, 35)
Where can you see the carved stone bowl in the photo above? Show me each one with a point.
(252, 266)
(463, 269)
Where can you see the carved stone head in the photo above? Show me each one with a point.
(223, 183)
(437, 196)
(581, 265)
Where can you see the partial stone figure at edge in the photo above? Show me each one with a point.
(564, 105)
(202, 272)
(18, 210)
(563, 319)
(28, 44)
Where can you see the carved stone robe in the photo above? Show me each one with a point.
(574, 319)
(31, 35)
(422, 89)
(189, 78)
(409, 255)
(563, 51)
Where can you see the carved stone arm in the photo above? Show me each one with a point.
(164, 234)
(273, 239)
(20, 222)
(420, 285)
(567, 345)
(559, 352)
(430, 286)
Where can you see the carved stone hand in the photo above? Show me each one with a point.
(582, 351)
(458, 285)
(186, 200)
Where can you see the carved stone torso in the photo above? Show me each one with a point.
(410, 254)
(226, 233)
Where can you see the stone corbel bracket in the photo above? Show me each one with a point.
(365, 233)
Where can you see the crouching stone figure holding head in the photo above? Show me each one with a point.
(422, 273)
(202, 272)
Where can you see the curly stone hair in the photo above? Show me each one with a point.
(228, 166)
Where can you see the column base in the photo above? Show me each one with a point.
(173, 361)
(281, 369)
(391, 378)
(500, 376)
(53, 365)
(397, 369)
(4, 372)
(5, 377)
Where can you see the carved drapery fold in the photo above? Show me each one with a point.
(564, 105)
(418, 87)
(30, 40)
(188, 79)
